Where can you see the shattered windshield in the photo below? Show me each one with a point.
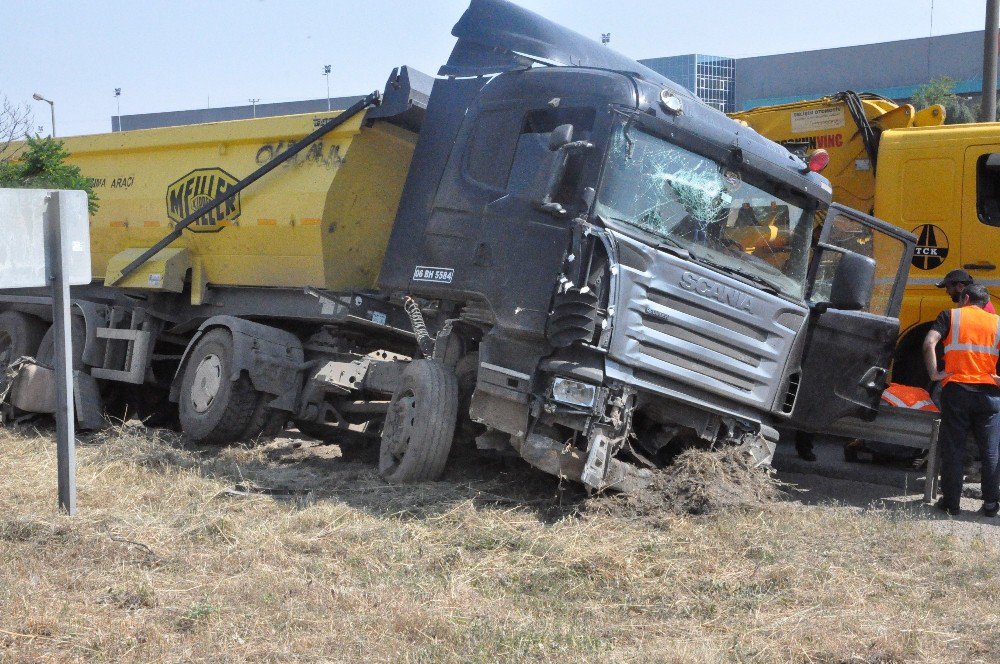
(722, 217)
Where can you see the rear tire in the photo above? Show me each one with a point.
(420, 424)
(213, 408)
(78, 337)
(20, 336)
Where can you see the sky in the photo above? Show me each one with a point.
(186, 54)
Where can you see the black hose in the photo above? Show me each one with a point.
(424, 341)
(869, 135)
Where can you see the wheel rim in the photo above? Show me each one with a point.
(207, 381)
(6, 345)
(399, 423)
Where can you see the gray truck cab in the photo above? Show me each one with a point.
(635, 271)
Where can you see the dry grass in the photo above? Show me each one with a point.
(164, 564)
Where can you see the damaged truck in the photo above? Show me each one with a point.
(555, 253)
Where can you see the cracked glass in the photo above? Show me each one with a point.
(735, 221)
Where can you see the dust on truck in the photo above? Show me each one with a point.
(561, 252)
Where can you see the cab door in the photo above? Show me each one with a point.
(849, 344)
(980, 249)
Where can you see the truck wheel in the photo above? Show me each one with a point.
(78, 337)
(420, 424)
(213, 408)
(20, 335)
(265, 422)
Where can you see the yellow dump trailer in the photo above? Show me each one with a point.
(223, 255)
(321, 219)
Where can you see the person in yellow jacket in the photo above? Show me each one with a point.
(970, 396)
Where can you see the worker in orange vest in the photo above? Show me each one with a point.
(970, 397)
(907, 396)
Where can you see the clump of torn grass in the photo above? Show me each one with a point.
(697, 482)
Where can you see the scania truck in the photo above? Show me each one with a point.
(557, 253)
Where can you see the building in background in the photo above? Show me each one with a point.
(203, 115)
(420, 84)
(711, 77)
(892, 69)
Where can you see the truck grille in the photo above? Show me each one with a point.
(684, 341)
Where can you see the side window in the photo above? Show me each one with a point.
(533, 146)
(887, 251)
(988, 189)
(491, 146)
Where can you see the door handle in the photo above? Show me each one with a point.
(980, 266)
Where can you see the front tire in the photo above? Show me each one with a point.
(420, 424)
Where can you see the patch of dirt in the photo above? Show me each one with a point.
(698, 482)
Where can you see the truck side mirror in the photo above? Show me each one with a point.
(853, 281)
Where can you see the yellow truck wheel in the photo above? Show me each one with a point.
(213, 407)
(420, 424)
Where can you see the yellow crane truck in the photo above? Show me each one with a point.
(941, 182)
(549, 250)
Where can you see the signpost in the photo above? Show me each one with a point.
(46, 243)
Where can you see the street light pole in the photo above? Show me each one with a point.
(326, 72)
(52, 107)
(988, 111)
(118, 102)
(253, 106)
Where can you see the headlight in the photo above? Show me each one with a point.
(574, 392)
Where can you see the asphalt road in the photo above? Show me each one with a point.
(830, 480)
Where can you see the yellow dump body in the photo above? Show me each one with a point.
(321, 219)
(827, 123)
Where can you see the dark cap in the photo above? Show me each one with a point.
(955, 277)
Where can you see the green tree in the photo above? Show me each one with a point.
(942, 91)
(42, 165)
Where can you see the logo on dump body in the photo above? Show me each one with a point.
(196, 189)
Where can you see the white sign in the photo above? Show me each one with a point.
(22, 237)
(817, 119)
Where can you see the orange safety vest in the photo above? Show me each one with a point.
(970, 349)
(906, 396)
